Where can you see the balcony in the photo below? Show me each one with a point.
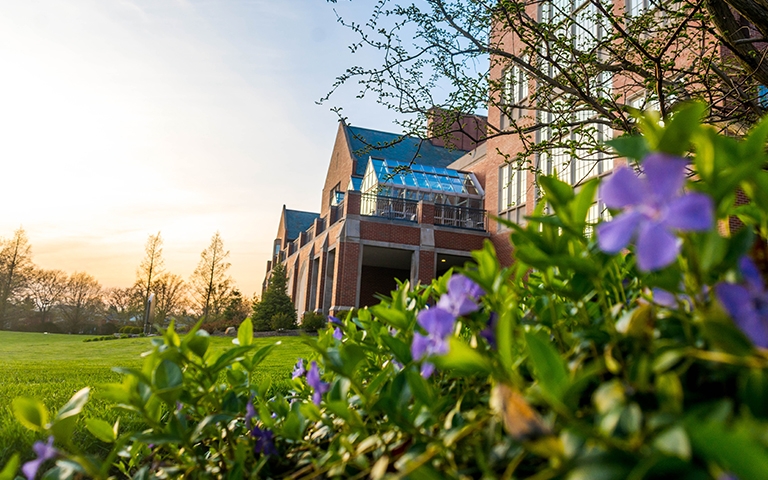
(460, 217)
(389, 207)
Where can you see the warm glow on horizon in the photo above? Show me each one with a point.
(122, 119)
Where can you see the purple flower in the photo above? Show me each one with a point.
(653, 207)
(250, 412)
(313, 380)
(44, 451)
(299, 370)
(337, 334)
(747, 304)
(462, 296)
(264, 441)
(439, 324)
(489, 332)
(334, 320)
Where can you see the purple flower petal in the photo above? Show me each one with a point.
(250, 412)
(461, 298)
(313, 380)
(615, 235)
(740, 305)
(337, 334)
(44, 451)
(665, 175)
(622, 189)
(691, 212)
(299, 370)
(436, 321)
(656, 247)
(419, 346)
(751, 274)
(664, 298)
(427, 369)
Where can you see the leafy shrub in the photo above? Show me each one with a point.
(312, 322)
(594, 356)
(283, 321)
(130, 330)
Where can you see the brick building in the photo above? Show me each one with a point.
(392, 208)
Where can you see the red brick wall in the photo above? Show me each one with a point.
(384, 232)
(340, 169)
(458, 240)
(426, 266)
(347, 261)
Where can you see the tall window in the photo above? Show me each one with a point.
(512, 192)
(514, 93)
(635, 8)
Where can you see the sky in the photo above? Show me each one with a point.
(120, 119)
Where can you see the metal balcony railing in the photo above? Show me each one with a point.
(460, 217)
(389, 207)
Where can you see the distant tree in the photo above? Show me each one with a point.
(211, 286)
(81, 301)
(15, 269)
(275, 300)
(46, 288)
(150, 269)
(171, 295)
(237, 308)
(123, 303)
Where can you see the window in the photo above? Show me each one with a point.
(514, 93)
(512, 192)
(635, 8)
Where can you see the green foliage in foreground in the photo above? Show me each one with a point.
(52, 367)
(575, 364)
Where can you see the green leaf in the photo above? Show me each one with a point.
(101, 429)
(199, 342)
(584, 200)
(9, 471)
(549, 368)
(735, 449)
(680, 127)
(630, 146)
(229, 357)
(726, 336)
(167, 380)
(74, 406)
(391, 316)
(30, 412)
(558, 192)
(245, 332)
(463, 359)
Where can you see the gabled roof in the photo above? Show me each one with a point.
(365, 143)
(297, 221)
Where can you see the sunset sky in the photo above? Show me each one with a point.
(119, 119)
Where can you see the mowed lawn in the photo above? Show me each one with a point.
(53, 367)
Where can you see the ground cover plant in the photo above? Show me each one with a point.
(631, 349)
(52, 367)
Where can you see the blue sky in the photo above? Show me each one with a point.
(123, 118)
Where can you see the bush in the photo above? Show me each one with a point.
(594, 356)
(283, 321)
(130, 330)
(312, 322)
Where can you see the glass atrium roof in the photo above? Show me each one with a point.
(380, 173)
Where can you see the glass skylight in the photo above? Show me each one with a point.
(397, 179)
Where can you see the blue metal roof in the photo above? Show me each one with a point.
(365, 143)
(297, 221)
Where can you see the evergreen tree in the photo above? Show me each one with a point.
(275, 301)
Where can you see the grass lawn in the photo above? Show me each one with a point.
(53, 367)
